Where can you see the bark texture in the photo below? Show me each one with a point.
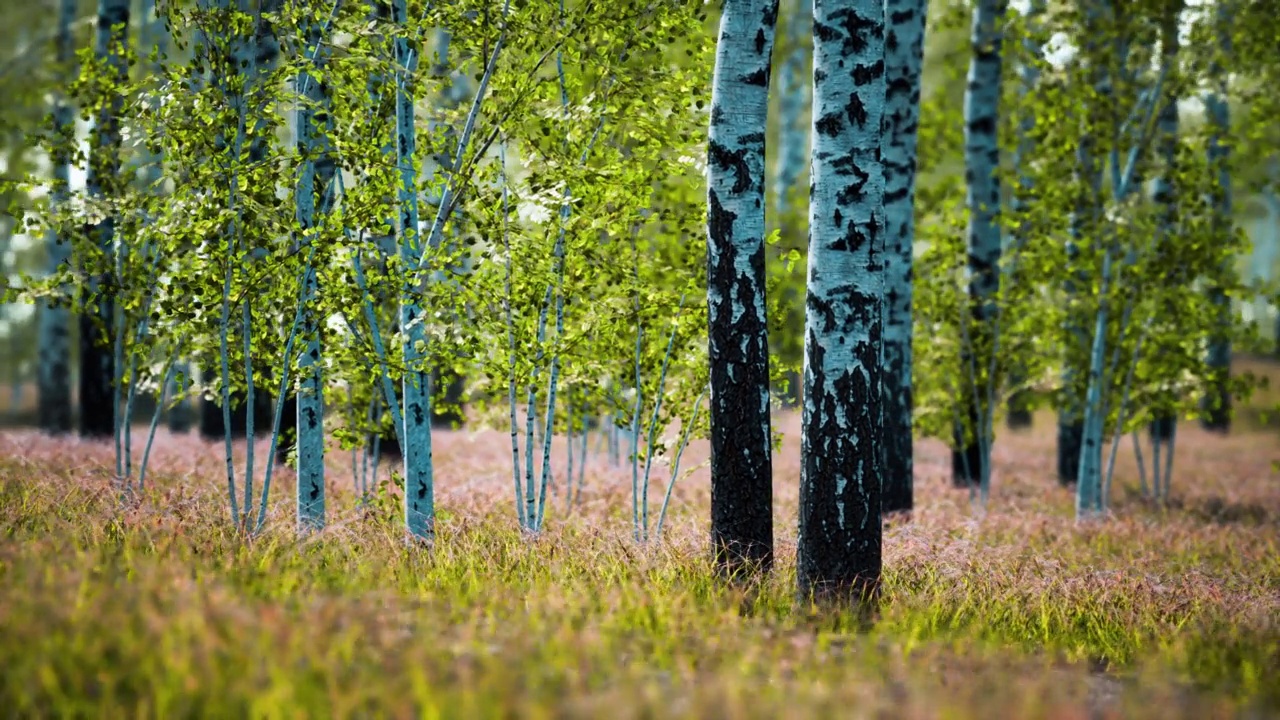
(904, 61)
(842, 455)
(741, 449)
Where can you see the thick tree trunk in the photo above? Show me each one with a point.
(842, 453)
(904, 60)
(741, 449)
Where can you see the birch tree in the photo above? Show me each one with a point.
(904, 60)
(741, 434)
(972, 453)
(841, 472)
(419, 503)
(314, 196)
(1076, 279)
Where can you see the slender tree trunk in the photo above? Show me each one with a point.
(982, 164)
(216, 421)
(1083, 220)
(904, 61)
(1089, 500)
(1089, 462)
(419, 503)
(841, 465)
(741, 434)
(1091, 486)
(54, 331)
(97, 365)
(318, 170)
(1217, 404)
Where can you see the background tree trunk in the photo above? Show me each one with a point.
(904, 60)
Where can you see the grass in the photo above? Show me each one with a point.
(159, 611)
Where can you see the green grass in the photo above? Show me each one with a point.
(159, 611)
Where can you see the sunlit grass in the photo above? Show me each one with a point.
(159, 611)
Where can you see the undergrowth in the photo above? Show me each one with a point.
(159, 610)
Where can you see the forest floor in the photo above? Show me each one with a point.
(1015, 612)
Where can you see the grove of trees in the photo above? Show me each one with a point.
(344, 224)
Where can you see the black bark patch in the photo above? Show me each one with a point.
(829, 125)
(866, 74)
(841, 562)
(725, 160)
(741, 463)
(855, 110)
(759, 78)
